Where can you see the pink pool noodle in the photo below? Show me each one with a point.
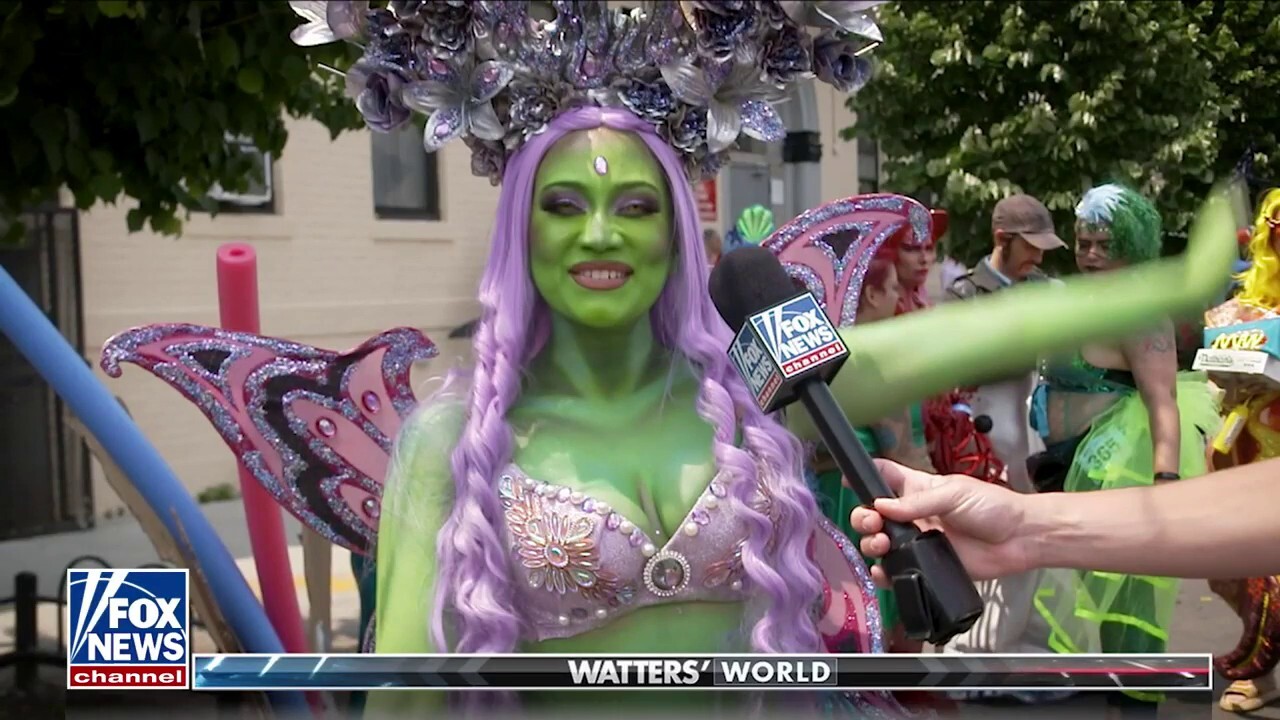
(238, 306)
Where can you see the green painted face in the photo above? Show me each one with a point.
(600, 232)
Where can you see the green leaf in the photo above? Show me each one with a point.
(135, 219)
(84, 197)
(166, 224)
(189, 118)
(101, 160)
(225, 51)
(113, 8)
(294, 70)
(77, 163)
(107, 186)
(250, 80)
(146, 124)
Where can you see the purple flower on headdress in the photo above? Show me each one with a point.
(395, 48)
(721, 27)
(447, 25)
(488, 159)
(652, 101)
(686, 129)
(773, 15)
(327, 21)
(736, 98)
(531, 105)
(459, 99)
(788, 55)
(378, 88)
(835, 61)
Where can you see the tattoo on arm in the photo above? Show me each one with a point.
(1161, 342)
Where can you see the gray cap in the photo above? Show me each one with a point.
(1028, 217)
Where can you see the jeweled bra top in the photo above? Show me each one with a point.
(579, 564)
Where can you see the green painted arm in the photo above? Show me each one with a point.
(913, 357)
(416, 503)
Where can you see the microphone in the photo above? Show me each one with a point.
(786, 350)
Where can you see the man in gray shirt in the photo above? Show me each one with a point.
(1022, 231)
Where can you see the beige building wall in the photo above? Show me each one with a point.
(330, 273)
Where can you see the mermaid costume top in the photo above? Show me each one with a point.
(581, 564)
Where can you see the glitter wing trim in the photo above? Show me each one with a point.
(314, 427)
(849, 618)
(827, 249)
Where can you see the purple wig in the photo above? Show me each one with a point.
(474, 581)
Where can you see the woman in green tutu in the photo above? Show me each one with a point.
(1117, 416)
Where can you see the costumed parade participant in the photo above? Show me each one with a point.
(601, 480)
(1251, 322)
(946, 422)
(1117, 416)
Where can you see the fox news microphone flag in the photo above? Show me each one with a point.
(784, 344)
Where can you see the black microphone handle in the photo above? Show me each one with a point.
(936, 599)
(850, 456)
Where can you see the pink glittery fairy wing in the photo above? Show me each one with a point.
(827, 249)
(850, 616)
(314, 427)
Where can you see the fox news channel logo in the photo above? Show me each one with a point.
(797, 335)
(129, 629)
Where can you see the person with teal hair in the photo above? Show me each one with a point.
(1117, 416)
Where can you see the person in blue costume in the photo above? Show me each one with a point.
(1112, 417)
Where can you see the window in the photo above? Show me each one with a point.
(259, 195)
(406, 183)
(868, 166)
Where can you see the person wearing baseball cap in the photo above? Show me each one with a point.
(1022, 230)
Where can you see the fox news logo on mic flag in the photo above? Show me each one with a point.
(779, 346)
(129, 629)
(797, 334)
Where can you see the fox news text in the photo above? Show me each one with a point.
(129, 629)
(702, 672)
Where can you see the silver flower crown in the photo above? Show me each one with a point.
(495, 72)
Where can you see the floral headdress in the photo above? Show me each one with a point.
(495, 72)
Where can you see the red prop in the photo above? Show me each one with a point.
(955, 445)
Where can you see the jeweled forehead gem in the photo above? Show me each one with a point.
(601, 165)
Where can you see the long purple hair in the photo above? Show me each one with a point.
(474, 585)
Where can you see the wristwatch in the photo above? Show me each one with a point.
(1168, 476)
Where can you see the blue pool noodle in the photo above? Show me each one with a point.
(70, 376)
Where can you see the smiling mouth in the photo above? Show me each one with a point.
(601, 275)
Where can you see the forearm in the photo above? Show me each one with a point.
(1221, 525)
(1166, 434)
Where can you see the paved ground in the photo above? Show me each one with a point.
(1202, 623)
